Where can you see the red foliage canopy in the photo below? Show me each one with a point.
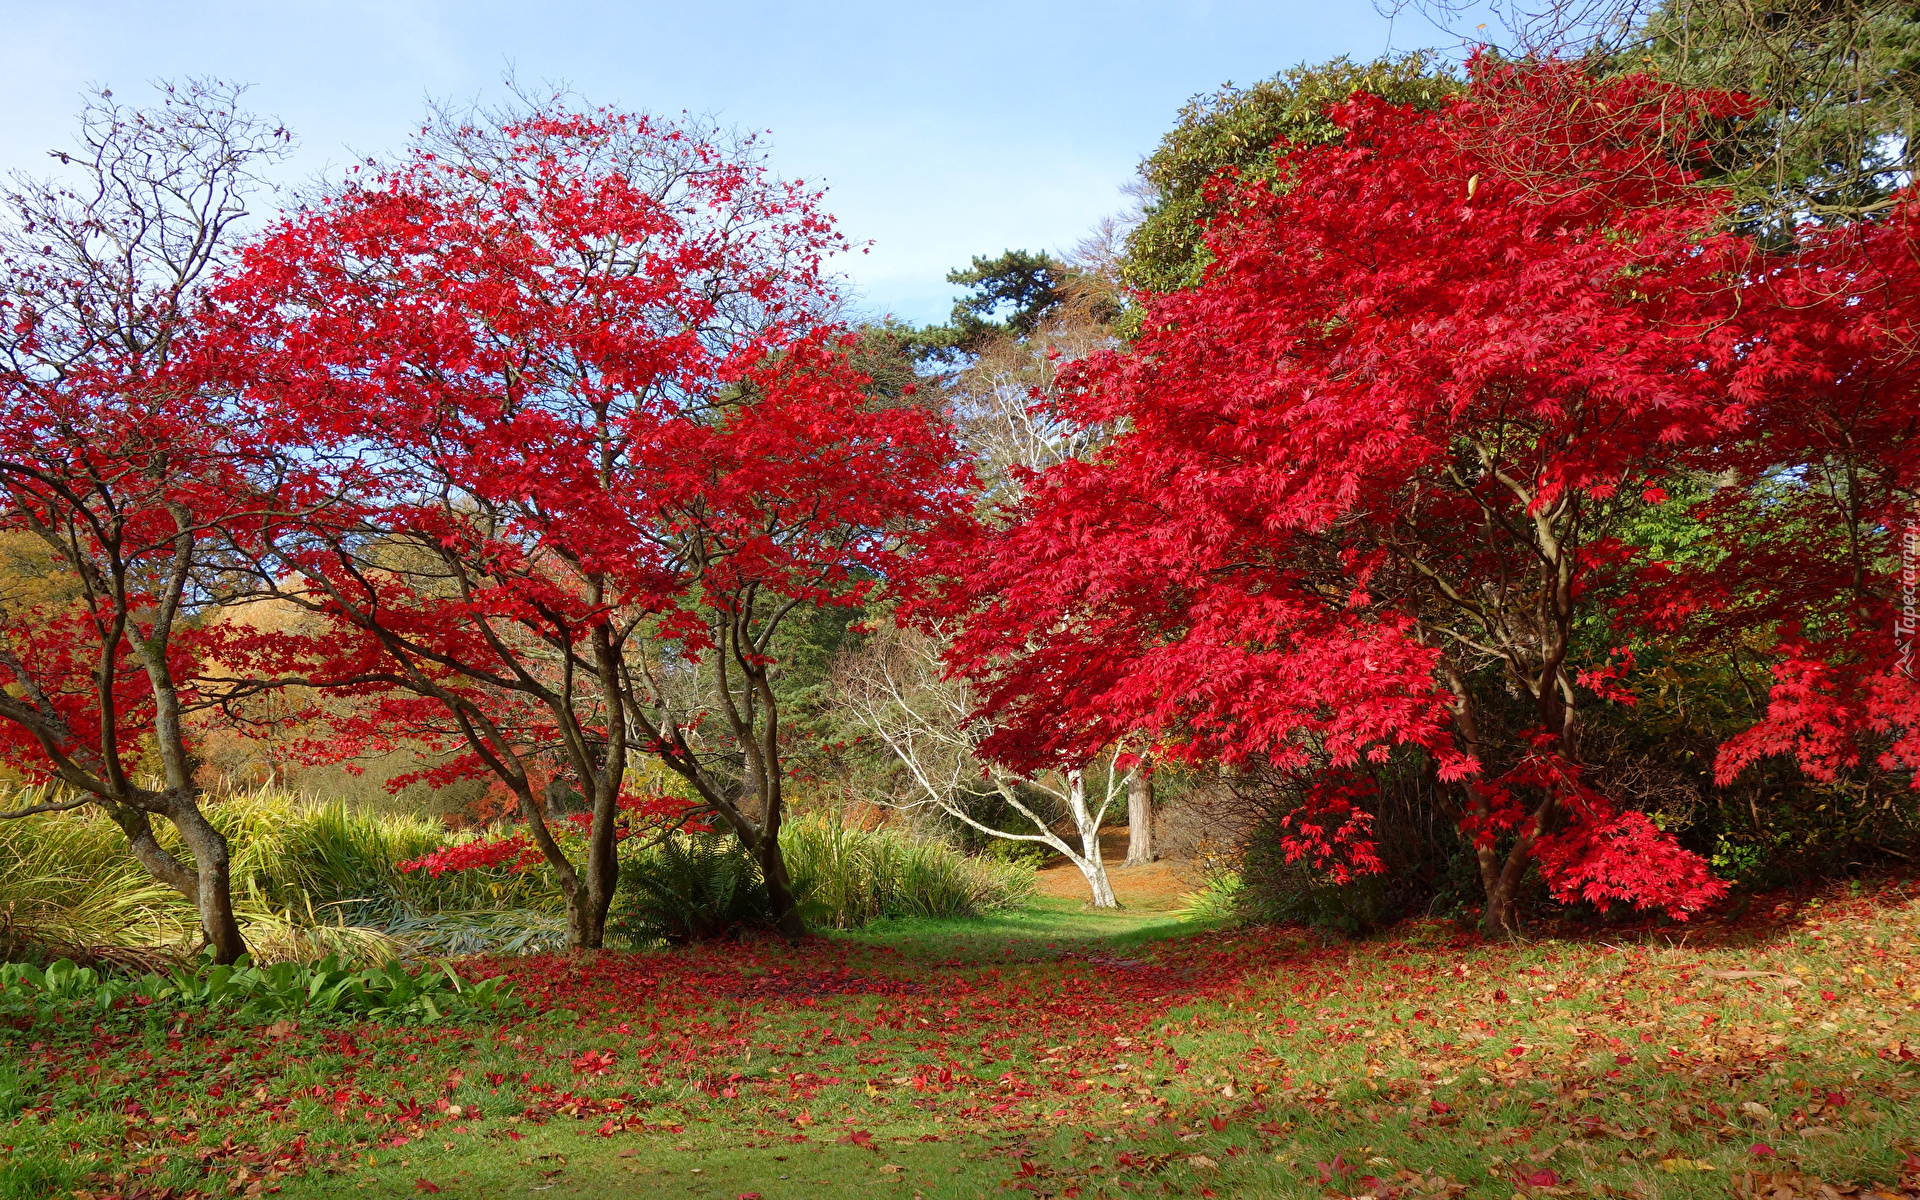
(1820, 518)
(141, 486)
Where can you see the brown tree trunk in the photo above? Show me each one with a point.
(786, 910)
(1499, 878)
(753, 797)
(773, 864)
(206, 883)
(586, 923)
(587, 909)
(562, 800)
(1140, 849)
(593, 899)
(213, 894)
(1501, 917)
(586, 912)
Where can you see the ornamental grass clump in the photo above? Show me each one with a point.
(848, 876)
(311, 879)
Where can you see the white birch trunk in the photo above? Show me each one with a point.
(1088, 825)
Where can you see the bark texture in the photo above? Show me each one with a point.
(1140, 849)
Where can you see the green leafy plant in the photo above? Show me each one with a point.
(458, 933)
(690, 888)
(64, 991)
(702, 886)
(1017, 854)
(1298, 895)
(312, 880)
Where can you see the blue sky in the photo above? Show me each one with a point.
(941, 130)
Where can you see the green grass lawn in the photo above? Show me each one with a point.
(1051, 1052)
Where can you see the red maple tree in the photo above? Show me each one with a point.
(128, 479)
(587, 437)
(1372, 464)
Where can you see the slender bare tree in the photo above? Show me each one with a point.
(895, 690)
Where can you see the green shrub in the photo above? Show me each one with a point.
(456, 934)
(1413, 846)
(311, 880)
(69, 880)
(1031, 855)
(343, 861)
(1220, 898)
(1295, 894)
(1261, 888)
(314, 881)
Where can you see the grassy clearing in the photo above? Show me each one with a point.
(1035, 932)
(1055, 1052)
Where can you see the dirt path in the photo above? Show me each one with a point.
(1156, 887)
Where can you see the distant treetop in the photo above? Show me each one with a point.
(1237, 128)
(1023, 284)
